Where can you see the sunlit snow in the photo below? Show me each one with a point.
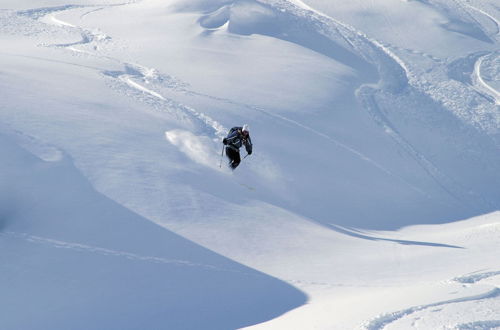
(371, 199)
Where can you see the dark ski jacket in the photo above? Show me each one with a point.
(235, 140)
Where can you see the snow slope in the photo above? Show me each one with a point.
(74, 259)
(369, 134)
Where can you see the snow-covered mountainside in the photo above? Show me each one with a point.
(370, 201)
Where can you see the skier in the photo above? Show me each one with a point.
(235, 139)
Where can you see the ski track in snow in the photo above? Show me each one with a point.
(479, 325)
(336, 142)
(37, 13)
(382, 321)
(134, 75)
(450, 186)
(483, 116)
(436, 93)
(353, 151)
(132, 80)
(483, 84)
(356, 37)
(300, 125)
(493, 19)
(475, 277)
(350, 33)
(78, 247)
(44, 151)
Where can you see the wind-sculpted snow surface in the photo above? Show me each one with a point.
(369, 119)
(254, 17)
(427, 76)
(356, 49)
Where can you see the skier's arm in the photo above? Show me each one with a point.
(248, 145)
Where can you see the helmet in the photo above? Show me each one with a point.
(245, 128)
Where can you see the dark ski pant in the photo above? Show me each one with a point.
(234, 157)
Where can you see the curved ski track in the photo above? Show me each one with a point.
(483, 85)
(363, 43)
(493, 19)
(384, 320)
(130, 82)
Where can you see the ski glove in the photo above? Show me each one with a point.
(224, 141)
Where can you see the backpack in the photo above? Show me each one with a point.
(232, 130)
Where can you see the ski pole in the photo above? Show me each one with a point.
(221, 156)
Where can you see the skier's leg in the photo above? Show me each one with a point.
(236, 161)
(232, 155)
